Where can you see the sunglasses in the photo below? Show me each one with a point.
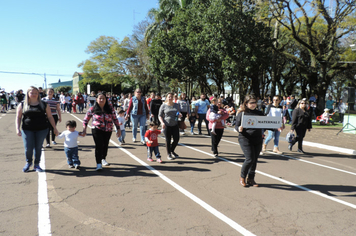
(138, 91)
(252, 103)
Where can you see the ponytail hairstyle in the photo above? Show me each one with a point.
(243, 106)
(26, 103)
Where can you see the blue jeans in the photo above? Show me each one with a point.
(192, 124)
(153, 149)
(202, 117)
(72, 155)
(273, 134)
(142, 119)
(290, 112)
(81, 107)
(33, 141)
(123, 135)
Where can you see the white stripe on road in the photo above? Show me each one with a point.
(298, 159)
(200, 202)
(279, 179)
(44, 222)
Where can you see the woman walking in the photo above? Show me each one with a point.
(219, 129)
(126, 103)
(79, 100)
(56, 114)
(301, 122)
(139, 113)
(250, 141)
(168, 115)
(104, 117)
(275, 110)
(34, 115)
(184, 108)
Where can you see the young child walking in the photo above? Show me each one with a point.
(192, 120)
(70, 144)
(121, 119)
(215, 114)
(151, 138)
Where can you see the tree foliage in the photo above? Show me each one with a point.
(211, 41)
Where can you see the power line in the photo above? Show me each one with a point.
(29, 73)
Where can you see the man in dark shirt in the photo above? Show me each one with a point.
(20, 96)
(42, 94)
(154, 105)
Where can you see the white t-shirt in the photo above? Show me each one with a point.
(121, 120)
(62, 98)
(70, 140)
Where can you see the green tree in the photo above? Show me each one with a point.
(212, 41)
(108, 61)
(318, 31)
(64, 89)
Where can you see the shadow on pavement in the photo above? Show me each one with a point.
(125, 171)
(350, 191)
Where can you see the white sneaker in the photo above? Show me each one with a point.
(133, 140)
(98, 167)
(54, 142)
(104, 162)
(119, 143)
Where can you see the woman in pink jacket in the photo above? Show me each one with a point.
(219, 129)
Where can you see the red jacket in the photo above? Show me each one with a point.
(224, 116)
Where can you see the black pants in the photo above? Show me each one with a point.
(341, 116)
(202, 117)
(299, 138)
(156, 119)
(251, 151)
(51, 129)
(215, 140)
(101, 140)
(169, 132)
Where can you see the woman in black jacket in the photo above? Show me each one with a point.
(301, 122)
(250, 141)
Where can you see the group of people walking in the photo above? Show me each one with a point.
(40, 116)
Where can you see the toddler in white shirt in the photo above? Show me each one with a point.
(71, 144)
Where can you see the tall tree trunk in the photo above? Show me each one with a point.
(274, 60)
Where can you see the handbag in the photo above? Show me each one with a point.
(290, 137)
(181, 125)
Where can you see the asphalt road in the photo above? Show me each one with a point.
(196, 194)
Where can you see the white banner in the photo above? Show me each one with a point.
(261, 122)
(88, 89)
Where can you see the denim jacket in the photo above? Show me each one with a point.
(135, 105)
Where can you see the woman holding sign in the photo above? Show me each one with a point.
(275, 110)
(250, 140)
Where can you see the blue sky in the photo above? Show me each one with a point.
(51, 36)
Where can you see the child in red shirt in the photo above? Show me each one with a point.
(151, 138)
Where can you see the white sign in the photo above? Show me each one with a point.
(88, 89)
(261, 122)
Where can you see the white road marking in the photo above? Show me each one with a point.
(44, 221)
(279, 179)
(298, 159)
(200, 202)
